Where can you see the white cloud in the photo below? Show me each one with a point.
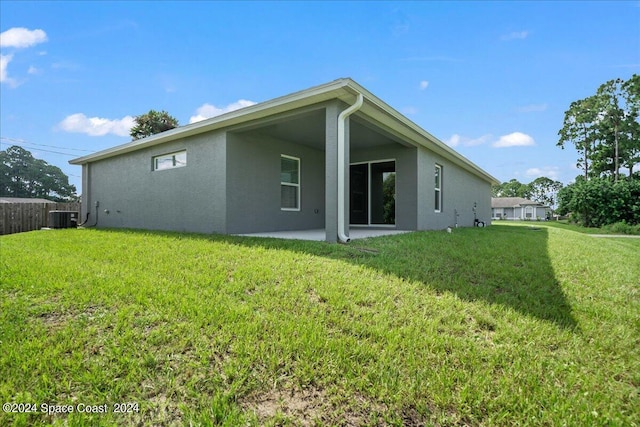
(465, 141)
(206, 111)
(4, 61)
(515, 35)
(551, 172)
(19, 37)
(531, 108)
(424, 84)
(515, 139)
(33, 70)
(454, 141)
(96, 126)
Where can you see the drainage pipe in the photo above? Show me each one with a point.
(342, 235)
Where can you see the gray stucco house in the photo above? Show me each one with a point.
(518, 208)
(328, 157)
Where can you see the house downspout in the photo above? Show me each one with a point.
(342, 235)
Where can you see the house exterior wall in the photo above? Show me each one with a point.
(132, 195)
(460, 190)
(231, 184)
(253, 185)
(406, 172)
(537, 213)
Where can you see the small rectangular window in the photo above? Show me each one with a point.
(438, 189)
(289, 183)
(170, 161)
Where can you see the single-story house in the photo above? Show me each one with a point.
(328, 157)
(518, 208)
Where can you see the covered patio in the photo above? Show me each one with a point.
(378, 189)
(320, 235)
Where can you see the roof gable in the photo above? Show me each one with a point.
(345, 90)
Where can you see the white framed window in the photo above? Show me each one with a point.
(170, 161)
(438, 189)
(528, 212)
(289, 183)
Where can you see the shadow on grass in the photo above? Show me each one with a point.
(506, 265)
(499, 265)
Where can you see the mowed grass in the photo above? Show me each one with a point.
(507, 325)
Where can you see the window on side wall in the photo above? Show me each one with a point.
(170, 161)
(438, 189)
(289, 183)
(528, 212)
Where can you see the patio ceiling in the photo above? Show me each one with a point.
(308, 128)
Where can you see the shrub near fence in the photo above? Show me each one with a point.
(20, 217)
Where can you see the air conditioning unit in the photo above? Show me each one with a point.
(63, 219)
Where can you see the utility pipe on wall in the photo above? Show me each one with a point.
(342, 235)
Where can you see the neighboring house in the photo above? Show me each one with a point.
(316, 159)
(518, 208)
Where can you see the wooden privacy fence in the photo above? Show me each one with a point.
(19, 217)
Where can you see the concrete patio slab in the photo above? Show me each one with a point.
(319, 234)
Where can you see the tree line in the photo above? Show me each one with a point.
(605, 130)
(22, 175)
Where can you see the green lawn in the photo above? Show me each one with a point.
(506, 325)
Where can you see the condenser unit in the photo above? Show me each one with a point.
(63, 219)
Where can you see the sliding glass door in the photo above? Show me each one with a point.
(372, 193)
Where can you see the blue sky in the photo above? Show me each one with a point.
(491, 79)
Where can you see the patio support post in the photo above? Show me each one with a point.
(331, 173)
